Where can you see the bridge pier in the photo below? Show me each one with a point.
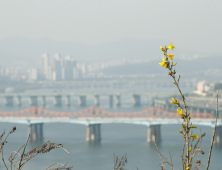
(93, 133)
(36, 132)
(110, 101)
(18, 101)
(136, 100)
(218, 135)
(68, 103)
(82, 100)
(33, 100)
(118, 100)
(96, 100)
(150, 133)
(9, 101)
(43, 101)
(58, 100)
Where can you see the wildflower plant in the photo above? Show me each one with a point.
(186, 131)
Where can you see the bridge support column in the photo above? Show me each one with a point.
(33, 100)
(93, 133)
(98, 132)
(191, 109)
(136, 100)
(9, 101)
(68, 103)
(213, 113)
(166, 107)
(146, 100)
(58, 100)
(40, 132)
(36, 132)
(43, 101)
(18, 101)
(118, 100)
(30, 131)
(218, 135)
(82, 100)
(96, 100)
(110, 101)
(220, 114)
(153, 104)
(150, 133)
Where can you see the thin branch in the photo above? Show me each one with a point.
(2, 155)
(55, 164)
(214, 132)
(183, 153)
(163, 167)
(19, 165)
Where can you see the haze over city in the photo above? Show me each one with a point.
(87, 74)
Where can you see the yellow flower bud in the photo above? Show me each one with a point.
(180, 131)
(170, 56)
(179, 111)
(195, 136)
(164, 64)
(171, 46)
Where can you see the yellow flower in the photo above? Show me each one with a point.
(164, 64)
(171, 46)
(183, 125)
(190, 149)
(170, 56)
(188, 168)
(175, 64)
(180, 131)
(162, 49)
(174, 101)
(179, 111)
(195, 136)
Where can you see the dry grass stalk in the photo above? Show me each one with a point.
(162, 167)
(162, 157)
(63, 167)
(24, 157)
(119, 164)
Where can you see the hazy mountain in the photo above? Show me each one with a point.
(14, 50)
(203, 67)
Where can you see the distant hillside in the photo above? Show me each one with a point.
(19, 49)
(203, 67)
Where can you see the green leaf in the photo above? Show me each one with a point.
(189, 118)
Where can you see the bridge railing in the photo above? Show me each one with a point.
(95, 112)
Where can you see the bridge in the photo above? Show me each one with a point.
(114, 98)
(94, 117)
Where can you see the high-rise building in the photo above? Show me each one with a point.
(57, 68)
(45, 67)
(69, 65)
(32, 74)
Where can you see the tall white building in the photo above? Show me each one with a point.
(46, 69)
(69, 66)
(32, 74)
(58, 67)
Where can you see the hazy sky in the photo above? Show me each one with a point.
(196, 24)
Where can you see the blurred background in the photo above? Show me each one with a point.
(108, 48)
